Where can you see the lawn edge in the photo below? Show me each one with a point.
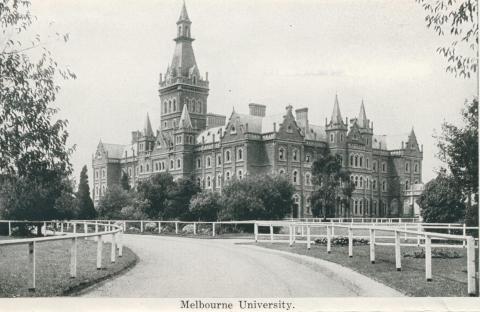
(83, 287)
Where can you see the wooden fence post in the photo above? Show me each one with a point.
(308, 237)
(9, 228)
(329, 243)
(176, 227)
(372, 246)
(31, 260)
(194, 228)
(471, 265)
(301, 231)
(112, 254)
(99, 251)
(255, 231)
(45, 229)
(124, 226)
(464, 234)
(294, 235)
(159, 227)
(405, 228)
(290, 235)
(398, 259)
(271, 233)
(74, 227)
(61, 226)
(73, 258)
(85, 227)
(141, 226)
(350, 241)
(120, 244)
(428, 258)
(418, 233)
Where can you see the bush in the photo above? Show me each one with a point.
(188, 229)
(150, 227)
(439, 253)
(342, 241)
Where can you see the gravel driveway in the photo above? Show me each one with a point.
(173, 267)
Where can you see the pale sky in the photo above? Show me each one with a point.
(281, 52)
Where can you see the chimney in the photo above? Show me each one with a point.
(301, 115)
(257, 109)
(135, 136)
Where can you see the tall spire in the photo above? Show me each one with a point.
(147, 127)
(185, 121)
(336, 115)
(183, 15)
(362, 117)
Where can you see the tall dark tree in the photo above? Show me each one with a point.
(458, 148)
(332, 184)
(156, 192)
(111, 204)
(178, 199)
(86, 209)
(124, 181)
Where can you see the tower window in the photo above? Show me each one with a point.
(209, 182)
(307, 158)
(219, 159)
(227, 175)
(384, 167)
(209, 162)
(331, 138)
(281, 153)
(361, 161)
(295, 177)
(194, 79)
(227, 156)
(356, 161)
(169, 106)
(174, 105)
(295, 155)
(407, 168)
(240, 174)
(179, 163)
(416, 168)
(407, 184)
(171, 164)
(199, 163)
(240, 154)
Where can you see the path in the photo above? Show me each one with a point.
(172, 267)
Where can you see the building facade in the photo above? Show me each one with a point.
(213, 149)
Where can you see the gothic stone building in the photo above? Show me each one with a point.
(212, 149)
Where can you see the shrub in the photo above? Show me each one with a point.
(342, 241)
(439, 253)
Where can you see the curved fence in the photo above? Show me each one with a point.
(414, 234)
(72, 231)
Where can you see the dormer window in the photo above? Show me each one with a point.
(289, 129)
(233, 130)
(194, 79)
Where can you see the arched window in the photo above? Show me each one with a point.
(281, 153)
(227, 175)
(227, 156)
(356, 160)
(240, 154)
(416, 168)
(174, 105)
(141, 168)
(219, 159)
(208, 162)
(331, 138)
(356, 181)
(194, 79)
(361, 181)
(240, 174)
(296, 199)
(368, 165)
(281, 171)
(374, 166)
(384, 186)
(341, 137)
(233, 130)
(199, 107)
(407, 167)
(171, 164)
(209, 182)
(308, 179)
(165, 107)
(199, 163)
(219, 181)
(407, 184)
(351, 160)
(148, 167)
(361, 161)
(169, 106)
(129, 172)
(307, 158)
(295, 177)
(384, 167)
(295, 155)
(199, 182)
(355, 204)
(179, 163)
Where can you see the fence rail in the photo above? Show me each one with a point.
(423, 239)
(60, 231)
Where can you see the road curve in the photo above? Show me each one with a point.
(173, 267)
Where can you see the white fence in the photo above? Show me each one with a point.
(398, 231)
(60, 231)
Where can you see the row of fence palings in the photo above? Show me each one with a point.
(176, 226)
(302, 232)
(71, 230)
(357, 220)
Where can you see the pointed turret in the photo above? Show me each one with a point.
(362, 120)
(336, 115)
(412, 140)
(183, 15)
(185, 122)
(147, 127)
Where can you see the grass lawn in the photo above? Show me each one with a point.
(449, 275)
(53, 267)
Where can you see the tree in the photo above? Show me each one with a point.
(155, 191)
(442, 200)
(111, 204)
(124, 181)
(205, 206)
(178, 199)
(258, 197)
(86, 209)
(332, 183)
(459, 21)
(458, 148)
(31, 141)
